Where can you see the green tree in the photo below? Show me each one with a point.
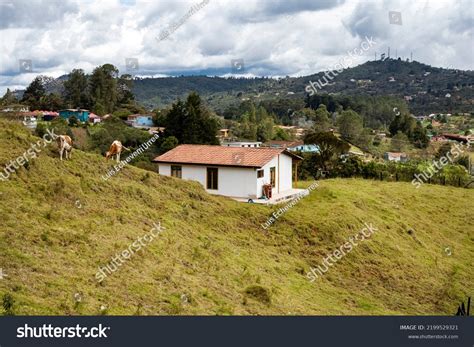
(399, 142)
(73, 121)
(8, 98)
(34, 92)
(321, 119)
(443, 150)
(350, 125)
(76, 91)
(330, 148)
(103, 89)
(281, 135)
(191, 122)
(168, 144)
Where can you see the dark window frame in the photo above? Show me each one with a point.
(212, 178)
(260, 173)
(177, 171)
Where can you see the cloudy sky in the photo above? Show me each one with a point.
(263, 37)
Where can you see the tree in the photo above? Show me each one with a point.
(76, 90)
(365, 139)
(168, 144)
(399, 142)
(191, 122)
(73, 121)
(395, 126)
(330, 147)
(8, 98)
(420, 138)
(350, 125)
(321, 119)
(281, 135)
(103, 89)
(52, 102)
(34, 92)
(443, 150)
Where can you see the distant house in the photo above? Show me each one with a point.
(29, 119)
(459, 138)
(282, 144)
(396, 156)
(238, 172)
(50, 115)
(294, 146)
(15, 108)
(249, 144)
(81, 114)
(93, 118)
(140, 120)
(305, 148)
(438, 138)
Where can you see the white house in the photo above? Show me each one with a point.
(238, 172)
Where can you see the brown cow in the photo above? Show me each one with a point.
(64, 145)
(115, 149)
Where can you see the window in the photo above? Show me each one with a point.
(212, 178)
(272, 176)
(260, 173)
(176, 171)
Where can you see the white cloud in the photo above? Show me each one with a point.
(274, 38)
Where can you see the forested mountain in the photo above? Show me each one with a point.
(427, 89)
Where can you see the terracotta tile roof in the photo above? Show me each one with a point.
(221, 155)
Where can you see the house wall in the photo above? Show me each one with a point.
(286, 171)
(144, 120)
(283, 169)
(232, 181)
(82, 116)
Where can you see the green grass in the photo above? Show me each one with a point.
(213, 258)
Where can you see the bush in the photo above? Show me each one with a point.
(8, 302)
(259, 293)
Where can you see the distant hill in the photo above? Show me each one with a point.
(59, 222)
(424, 87)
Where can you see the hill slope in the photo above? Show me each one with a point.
(59, 221)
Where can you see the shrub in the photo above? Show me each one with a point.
(259, 293)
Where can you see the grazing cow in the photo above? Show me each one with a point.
(64, 145)
(115, 149)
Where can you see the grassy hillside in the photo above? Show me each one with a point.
(59, 221)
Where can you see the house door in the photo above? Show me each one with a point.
(272, 176)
